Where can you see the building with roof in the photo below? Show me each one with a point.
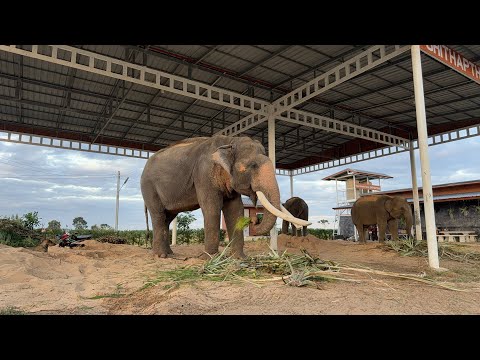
(249, 210)
(457, 206)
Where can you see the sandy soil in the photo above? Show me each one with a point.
(103, 278)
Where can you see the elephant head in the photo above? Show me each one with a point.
(398, 207)
(250, 172)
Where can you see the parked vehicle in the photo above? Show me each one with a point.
(72, 240)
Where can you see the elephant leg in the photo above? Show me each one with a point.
(168, 219)
(232, 211)
(382, 227)
(211, 216)
(294, 230)
(361, 234)
(393, 227)
(285, 225)
(160, 246)
(304, 231)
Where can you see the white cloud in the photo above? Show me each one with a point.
(62, 198)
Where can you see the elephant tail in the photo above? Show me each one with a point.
(147, 237)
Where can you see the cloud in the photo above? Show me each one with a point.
(62, 184)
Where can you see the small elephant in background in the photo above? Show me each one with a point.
(298, 208)
(381, 210)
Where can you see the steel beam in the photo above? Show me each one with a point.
(123, 70)
(53, 142)
(242, 125)
(355, 66)
(437, 139)
(342, 127)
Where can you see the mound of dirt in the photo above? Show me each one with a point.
(104, 278)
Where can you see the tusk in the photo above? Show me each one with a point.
(284, 214)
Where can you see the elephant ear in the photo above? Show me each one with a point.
(389, 205)
(223, 156)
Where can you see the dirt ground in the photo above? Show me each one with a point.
(103, 278)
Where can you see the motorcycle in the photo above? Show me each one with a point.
(72, 240)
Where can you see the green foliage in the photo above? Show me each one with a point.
(450, 213)
(324, 222)
(79, 223)
(184, 221)
(54, 225)
(11, 310)
(102, 227)
(14, 233)
(464, 210)
(31, 220)
(321, 233)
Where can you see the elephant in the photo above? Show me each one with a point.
(298, 208)
(381, 210)
(210, 173)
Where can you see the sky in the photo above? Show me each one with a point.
(62, 184)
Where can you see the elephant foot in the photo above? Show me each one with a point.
(162, 254)
(239, 254)
(206, 256)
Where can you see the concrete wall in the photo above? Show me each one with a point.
(448, 215)
(345, 227)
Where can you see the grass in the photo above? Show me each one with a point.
(116, 294)
(293, 269)
(411, 247)
(242, 223)
(11, 310)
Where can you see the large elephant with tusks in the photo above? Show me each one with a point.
(210, 173)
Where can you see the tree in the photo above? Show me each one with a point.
(54, 225)
(324, 222)
(79, 223)
(95, 227)
(105, 227)
(30, 220)
(184, 221)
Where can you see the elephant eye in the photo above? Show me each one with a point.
(253, 165)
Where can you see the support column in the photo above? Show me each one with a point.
(271, 155)
(416, 202)
(424, 158)
(291, 185)
(355, 232)
(117, 201)
(174, 231)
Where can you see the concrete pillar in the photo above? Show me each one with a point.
(271, 155)
(416, 202)
(174, 231)
(424, 158)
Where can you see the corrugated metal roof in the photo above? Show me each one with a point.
(358, 173)
(375, 93)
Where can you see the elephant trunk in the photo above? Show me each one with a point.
(266, 182)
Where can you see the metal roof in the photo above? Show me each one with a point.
(359, 174)
(58, 101)
(460, 183)
(248, 203)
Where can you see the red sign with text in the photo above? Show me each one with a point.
(454, 60)
(367, 186)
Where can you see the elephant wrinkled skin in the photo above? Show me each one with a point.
(211, 174)
(298, 208)
(381, 210)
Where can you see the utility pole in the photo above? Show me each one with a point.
(118, 198)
